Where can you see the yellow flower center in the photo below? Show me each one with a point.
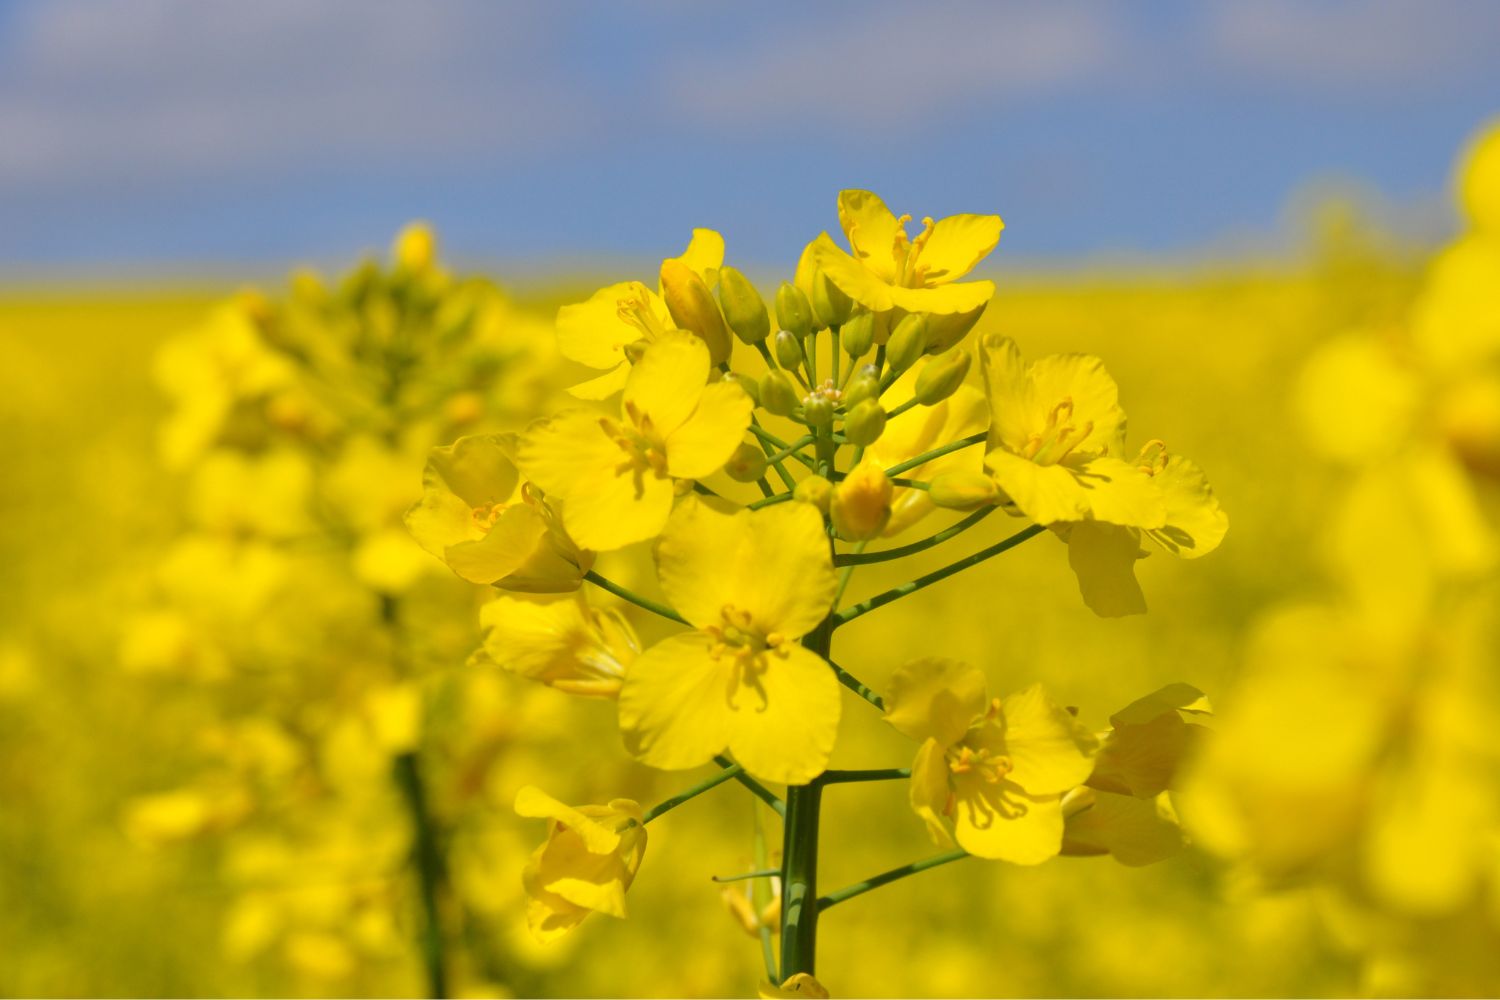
(486, 515)
(736, 635)
(985, 764)
(635, 310)
(1153, 457)
(1059, 437)
(644, 449)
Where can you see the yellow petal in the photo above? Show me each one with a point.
(675, 707)
(853, 278)
(1045, 493)
(1121, 493)
(1103, 557)
(785, 720)
(956, 244)
(478, 469)
(1050, 751)
(800, 985)
(1134, 831)
(440, 519)
(665, 383)
(509, 543)
(999, 821)
(872, 231)
(929, 791)
(710, 435)
(774, 563)
(1195, 523)
(704, 254)
(944, 300)
(534, 803)
(604, 386)
(592, 332)
(1082, 380)
(934, 698)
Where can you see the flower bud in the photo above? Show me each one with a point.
(907, 343)
(415, 249)
(793, 311)
(777, 393)
(941, 377)
(963, 490)
(864, 385)
(817, 411)
(865, 423)
(693, 308)
(814, 490)
(861, 503)
(747, 464)
(751, 387)
(856, 335)
(830, 306)
(744, 309)
(788, 349)
(945, 331)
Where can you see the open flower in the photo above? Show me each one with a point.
(560, 642)
(601, 331)
(890, 270)
(751, 583)
(616, 478)
(477, 516)
(990, 774)
(589, 859)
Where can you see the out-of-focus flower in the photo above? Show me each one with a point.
(587, 863)
(560, 642)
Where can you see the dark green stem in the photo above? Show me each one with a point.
(799, 880)
(868, 774)
(626, 594)
(896, 593)
(732, 771)
(756, 788)
(858, 687)
(429, 865)
(957, 528)
(885, 878)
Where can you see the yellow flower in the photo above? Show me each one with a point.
(616, 479)
(601, 331)
(990, 773)
(751, 583)
(800, 985)
(1479, 181)
(1126, 810)
(560, 642)
(889, 270)
(860, 505)
(589, 859)
(477, 516)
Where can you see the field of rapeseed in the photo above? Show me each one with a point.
(390, 632)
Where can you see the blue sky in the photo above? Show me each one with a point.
(165, 136)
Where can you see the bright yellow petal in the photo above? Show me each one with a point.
(1120, 493)
(999, 821)
(1045, 493)
(1050, 751)
(534, 803)
(593, 334)
(665, 383)
(1195, 523)
(1103, 558)
(851, 277)
(604, 386)
(1134, 831)
(1083, 382)
(704, 254)
(1006, 386)
(872, 231)
(786, 717)
(707, 439)
(478, 469)
(965, 296)
(440, 519)
(956, 244)
(508, 544)
(934, 698)
(929, 791)
(675, 709)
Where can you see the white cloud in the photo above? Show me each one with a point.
(894, 65)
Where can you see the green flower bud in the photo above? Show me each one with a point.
(744, 309)
(830, 306)
(907, 343)
(793, 311)
(814, 490)
(945, 331)
(747, 464)
(941, 377)
(778, 394)
(788, 349)
(865, 423)
(864, 385)
(693, 308)
(963, 490)
(817, 411)
(751, 387)
(857, 334)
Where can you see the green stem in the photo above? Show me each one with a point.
(762, 873)
(756, 788)
(625, 594)
(852, 559)
(946, 449)
(760, 896)
(767, 442)
(667, 805)
(868, 774)
(799, 880)
(429, 864)
(833, 337)
(885, 878)
(854, 684)
(895, 593)
(769, 501)
(892, 414)
(791, 450)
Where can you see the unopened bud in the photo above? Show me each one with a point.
(751, 387)
(814, 490)
(830, 306)
(788, 349)
(963, 490)
(907, 343)
(858, 334)
(636, 350)
(865, 423)
(747, 464)
(861, 503)
(777, 393)
(415, 248)
(941, 377)
(793, 311)
(693, 308)
(744, 309)
(945, 331)
(864, 385)
(817, 411)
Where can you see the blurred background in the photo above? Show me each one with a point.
(222, 660)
